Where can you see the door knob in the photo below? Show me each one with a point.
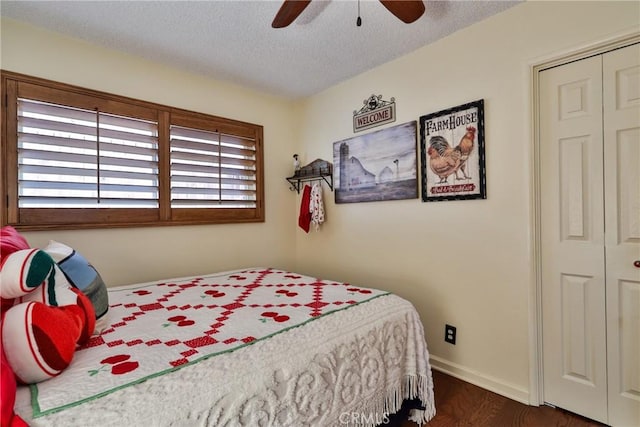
(636, 263)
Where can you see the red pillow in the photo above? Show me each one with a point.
(8, 385)
(11, 241)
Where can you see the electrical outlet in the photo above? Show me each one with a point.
(450, 334)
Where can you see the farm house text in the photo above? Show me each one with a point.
(451, 122)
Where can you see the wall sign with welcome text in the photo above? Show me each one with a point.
(375, 112)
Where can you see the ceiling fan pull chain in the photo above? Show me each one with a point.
(359, 20)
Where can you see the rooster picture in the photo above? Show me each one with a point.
(445, 160)
(452, 145)
(466, 147)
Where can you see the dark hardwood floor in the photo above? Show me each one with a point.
(462, 404)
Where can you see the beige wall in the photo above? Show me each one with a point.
(467, 263)
(142, 254)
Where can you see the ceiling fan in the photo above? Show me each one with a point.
(407, 11)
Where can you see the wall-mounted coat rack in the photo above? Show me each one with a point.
(316, 170)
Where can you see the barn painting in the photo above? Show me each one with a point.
(377, 166)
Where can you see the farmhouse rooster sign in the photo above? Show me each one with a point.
(452, 153)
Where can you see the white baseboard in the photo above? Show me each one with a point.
(476, 378)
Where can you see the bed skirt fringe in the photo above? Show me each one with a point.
(413, 387)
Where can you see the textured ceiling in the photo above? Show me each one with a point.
(234, 41)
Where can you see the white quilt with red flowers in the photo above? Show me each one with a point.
(159, 327)
(254, 347)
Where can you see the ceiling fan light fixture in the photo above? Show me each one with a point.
(407, 11)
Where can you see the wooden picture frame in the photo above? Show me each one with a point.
(452, 153)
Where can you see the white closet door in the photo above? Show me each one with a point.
(621, 106)
(572, 238)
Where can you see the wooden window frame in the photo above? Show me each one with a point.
(15, 85)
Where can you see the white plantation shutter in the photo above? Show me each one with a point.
(77, 158)
(212, 169)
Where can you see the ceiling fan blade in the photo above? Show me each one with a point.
(288, 12)
(407, 11)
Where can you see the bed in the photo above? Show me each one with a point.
(251, 347)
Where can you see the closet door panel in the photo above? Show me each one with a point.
(572, 238)
(621, 110)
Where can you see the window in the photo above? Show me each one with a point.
(76, 158)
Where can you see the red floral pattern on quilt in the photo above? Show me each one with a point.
(159, 327)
